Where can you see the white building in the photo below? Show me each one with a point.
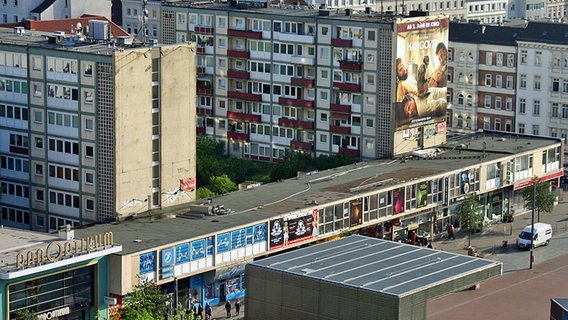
(133, 18)
(17, 10)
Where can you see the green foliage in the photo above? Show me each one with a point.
(204, 192)
(299, 161)
(207, 147)
(146, 302)
(469, 216)
(544, 198)
(25, 314)
(221, 184)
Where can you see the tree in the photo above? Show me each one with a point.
(25, 314)
(146, 302)
(204, 192)
(470, 217)
(544, 198)
(221, 184)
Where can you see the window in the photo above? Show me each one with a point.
(538, 58)
(39, 142)
(522, 105)
(523, 81)
(536, 107)
(498, 103)
(499, 61)
(487, 101)
(323, 117)
(64, 199)
(369, 123)
(90, 205)
(509, 104)
(524, 56)
(498, 81)
(371, 35)
(510, 60)
(554, 110)
(371, 79)
(89, 151)
(488, 58)
(488, 80)
(89, 124)
(39, 195)
(89, 178)
(460, 99)
(39, 169)
(521, 128)
(509, 83)
(537, 82)
(535, 129)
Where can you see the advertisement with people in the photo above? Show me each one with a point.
(293, 229)
(421, 72)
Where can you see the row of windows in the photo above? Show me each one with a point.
(13, 112)
(60, 65)
(15, 189)
(65, 173)
(18, 140)
(63, 119)
(15, 215)
(64, 199)
(64, 146)
(16, 86)
(63, 92)
(13, 59)
(14, 164)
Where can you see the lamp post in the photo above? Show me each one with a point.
(532, 225)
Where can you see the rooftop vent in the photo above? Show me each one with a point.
(19, 30)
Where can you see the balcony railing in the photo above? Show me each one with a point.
(200, 50)
(244, 96)
(238, 74)
(350, 65)
(200, 130)
(303, 82)
(238, 54)
(243, 116)
(285, 122)
(351, 152)
(200, 69)
(205, 91)
(204, 111)
(295, 102)
(340, 129)
(205, 30)
(352, 87)
(238, 136)
(301, 145)
(345, 43)
(340, 107)
(245, 34)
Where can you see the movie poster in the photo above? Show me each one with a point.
(356, 214)
(293, 229)
(422, 194)
(398, 200)
(421, 70)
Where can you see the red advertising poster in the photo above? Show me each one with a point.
(398, 200)
(187, 184)
(293, 229)
(421, 72)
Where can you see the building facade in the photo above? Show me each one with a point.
(141, 20)
(271, 79)
(90, 130)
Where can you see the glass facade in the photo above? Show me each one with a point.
(69, 293)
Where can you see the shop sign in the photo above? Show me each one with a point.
(54, 314)
(57, 250)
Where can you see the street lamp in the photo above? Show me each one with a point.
(532, 225)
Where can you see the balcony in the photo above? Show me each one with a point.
(352, 87)
(295, 102)
(340, 107)
(243, 116)
(203, 30)
(238, 54)
(350, 65)
(205, 91)
(19, 150)
(301, 145)
(340, 129)
(351, 152)
(345, 43)
(302, 82)
(285, 122)
(204, 111)
(245, 34)
(201, 70)
(200, 50)
(200, 130)
(244, 96)
(238, 136)
(238, 74)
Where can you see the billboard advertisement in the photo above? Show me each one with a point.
(293, 229)
(421, 72)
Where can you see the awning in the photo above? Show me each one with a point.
(339, 116)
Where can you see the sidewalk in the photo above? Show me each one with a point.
(490, 240)
(219, 311)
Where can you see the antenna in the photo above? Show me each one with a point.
(143, 32)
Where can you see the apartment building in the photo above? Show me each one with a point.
(17, 10)
(91, 128)
(319, 81)
(142, 18)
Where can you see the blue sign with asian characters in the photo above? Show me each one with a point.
(259, 233)
(147, 262)
(182, 253)
(168, 257)
(198, 249)
(238, 239)
(223, 242)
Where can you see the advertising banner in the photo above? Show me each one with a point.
(398, 200)
(293, 229)
(421, 72)
(422, 194)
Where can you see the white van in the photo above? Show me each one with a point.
(542, 235)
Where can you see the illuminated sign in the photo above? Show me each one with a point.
(57, 250)
(54, 314)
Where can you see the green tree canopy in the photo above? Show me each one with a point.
(221, 184)
(147, 301)
(469, 216)
(544, 197)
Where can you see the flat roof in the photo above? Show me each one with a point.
(15, 241)
(309, 191)
(382, 266)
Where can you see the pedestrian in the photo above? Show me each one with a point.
(237, 307)
(429, 245)
(228, 308)
(200, 311)
(208, 311)
(451, 230)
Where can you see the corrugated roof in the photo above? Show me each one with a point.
(382, 266)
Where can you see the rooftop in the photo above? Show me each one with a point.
(382, 266)
(308, 191)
